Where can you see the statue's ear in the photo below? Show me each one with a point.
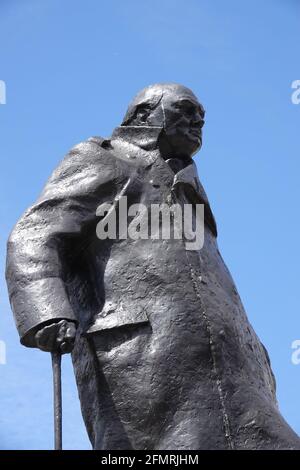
(142, 113)
(138, 114)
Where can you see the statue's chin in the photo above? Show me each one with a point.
(178, 145)
(188, 145)
(190, 148)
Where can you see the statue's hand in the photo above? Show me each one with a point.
(57, 337)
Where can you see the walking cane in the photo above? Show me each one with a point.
(56, 369)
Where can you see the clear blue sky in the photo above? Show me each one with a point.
(71, 68)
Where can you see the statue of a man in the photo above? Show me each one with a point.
(163, 353)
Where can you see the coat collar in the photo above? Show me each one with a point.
(137, 144)
(187, 175)
(145, 137)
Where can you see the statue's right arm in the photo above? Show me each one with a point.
(35, 261)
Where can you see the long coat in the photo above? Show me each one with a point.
(165, 357)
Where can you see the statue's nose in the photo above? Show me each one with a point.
(198, 120)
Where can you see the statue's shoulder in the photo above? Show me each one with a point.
(93, 151)
(91, 146)
(100, 141)
(82, 165)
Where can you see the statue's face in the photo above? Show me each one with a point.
(184, 119)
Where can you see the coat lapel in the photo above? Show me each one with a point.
(189, 179)
(189, 176)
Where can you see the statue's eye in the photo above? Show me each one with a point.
(188, 109)
(185, 107)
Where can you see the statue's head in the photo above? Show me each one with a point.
(174, 108)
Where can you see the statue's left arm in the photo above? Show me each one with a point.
(35, 256)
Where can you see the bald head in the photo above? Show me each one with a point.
(153, 95)
(175, 109)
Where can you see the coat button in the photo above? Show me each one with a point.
(222, 334)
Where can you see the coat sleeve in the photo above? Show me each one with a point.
(35, 261)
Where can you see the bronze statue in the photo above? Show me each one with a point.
(163, 353)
